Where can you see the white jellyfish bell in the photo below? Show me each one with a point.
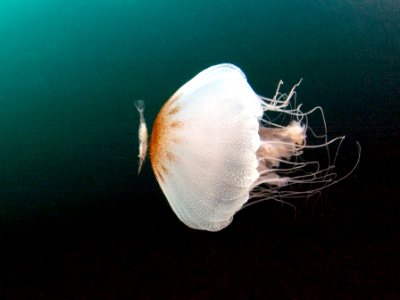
(213, 148)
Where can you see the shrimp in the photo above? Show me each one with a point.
(143, 135)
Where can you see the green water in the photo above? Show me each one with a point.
(71, 70)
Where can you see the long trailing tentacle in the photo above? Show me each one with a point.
(279, 175)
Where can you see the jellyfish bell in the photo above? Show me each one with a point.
(213, 148)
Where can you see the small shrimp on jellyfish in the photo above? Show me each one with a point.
(214, 150)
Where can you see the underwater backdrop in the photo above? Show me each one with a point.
(77, 221)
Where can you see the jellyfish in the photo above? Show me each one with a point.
(215, 148)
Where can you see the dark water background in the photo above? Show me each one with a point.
(77, 223)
